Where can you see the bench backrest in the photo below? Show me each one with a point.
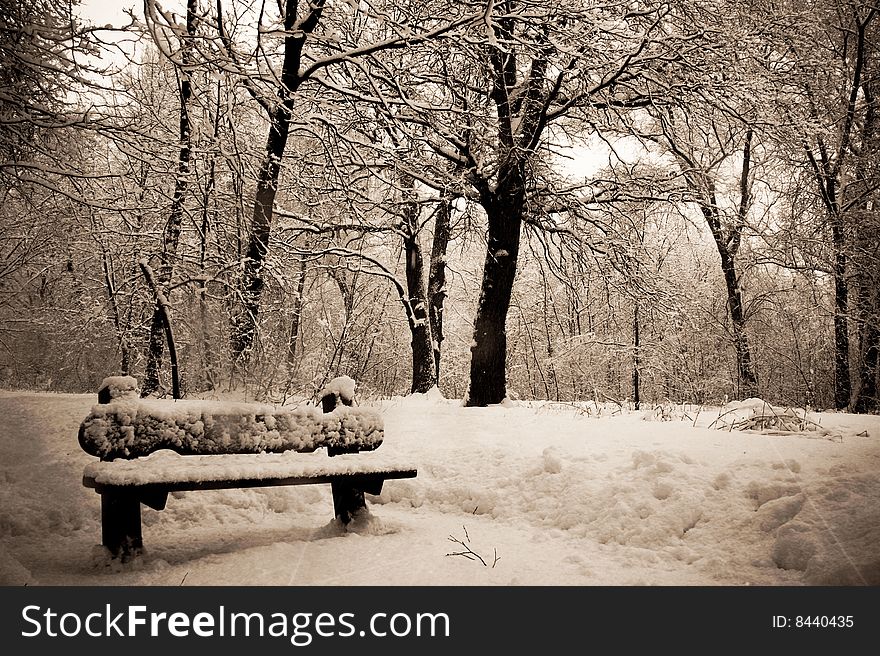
(122, 425)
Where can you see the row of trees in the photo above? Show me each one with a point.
(582, 200)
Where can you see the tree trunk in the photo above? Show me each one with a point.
(727, 242)
(423, 367)
(867, 399)
(866, 253)
(521, 120)
(171, 235)
(842, 383)
(437, 279)
(504, 210)
(209, 219)
(155, 351)
(121, 332)
(162, 308)
(748, 381)
(636, 372)
(867, 307)
(828, 186)
(746, 378)
(423, 364)
(296, 319)
(251, 283)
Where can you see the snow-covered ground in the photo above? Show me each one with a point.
(541, 494)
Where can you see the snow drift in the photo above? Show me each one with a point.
(558, 495)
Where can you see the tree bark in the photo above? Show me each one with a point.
(745, 369)
(727, 242)
(636, 370)
(209, 219)
(121, 331)
(423, 367)
(504, 211)
(828, 189)
(437, 279)
(842, 382)
(866, 399)
(171, 235)
(296, 319)
(163, 309)
(746, 378)
(252, 283)
(423, 364)
(521, 121)
(829, 174)
(866, 252)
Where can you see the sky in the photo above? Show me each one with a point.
(515, 494)
(103, 12)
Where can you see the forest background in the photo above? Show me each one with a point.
(641, 202)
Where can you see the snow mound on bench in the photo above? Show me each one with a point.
(131, 428)
(342, 387)
(117, 387)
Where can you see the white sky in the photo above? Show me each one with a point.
(104, 12)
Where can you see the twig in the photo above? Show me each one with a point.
(697, 416)
(469, 553)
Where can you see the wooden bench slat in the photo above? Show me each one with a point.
(352, 478)
(170, 468)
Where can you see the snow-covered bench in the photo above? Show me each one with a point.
(150, 447)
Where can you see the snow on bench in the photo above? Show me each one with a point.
(150, 447)
(130, 427)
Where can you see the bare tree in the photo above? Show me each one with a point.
(160, 324)
(315, 37)
(485, 104)
(829, 150)
(700, 150)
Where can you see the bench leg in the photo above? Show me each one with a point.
(348, 496)
(347, 501)
(121, 524)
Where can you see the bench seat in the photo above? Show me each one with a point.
(166, 469)
(126, 484)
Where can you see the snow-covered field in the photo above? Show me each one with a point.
(541, 494)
